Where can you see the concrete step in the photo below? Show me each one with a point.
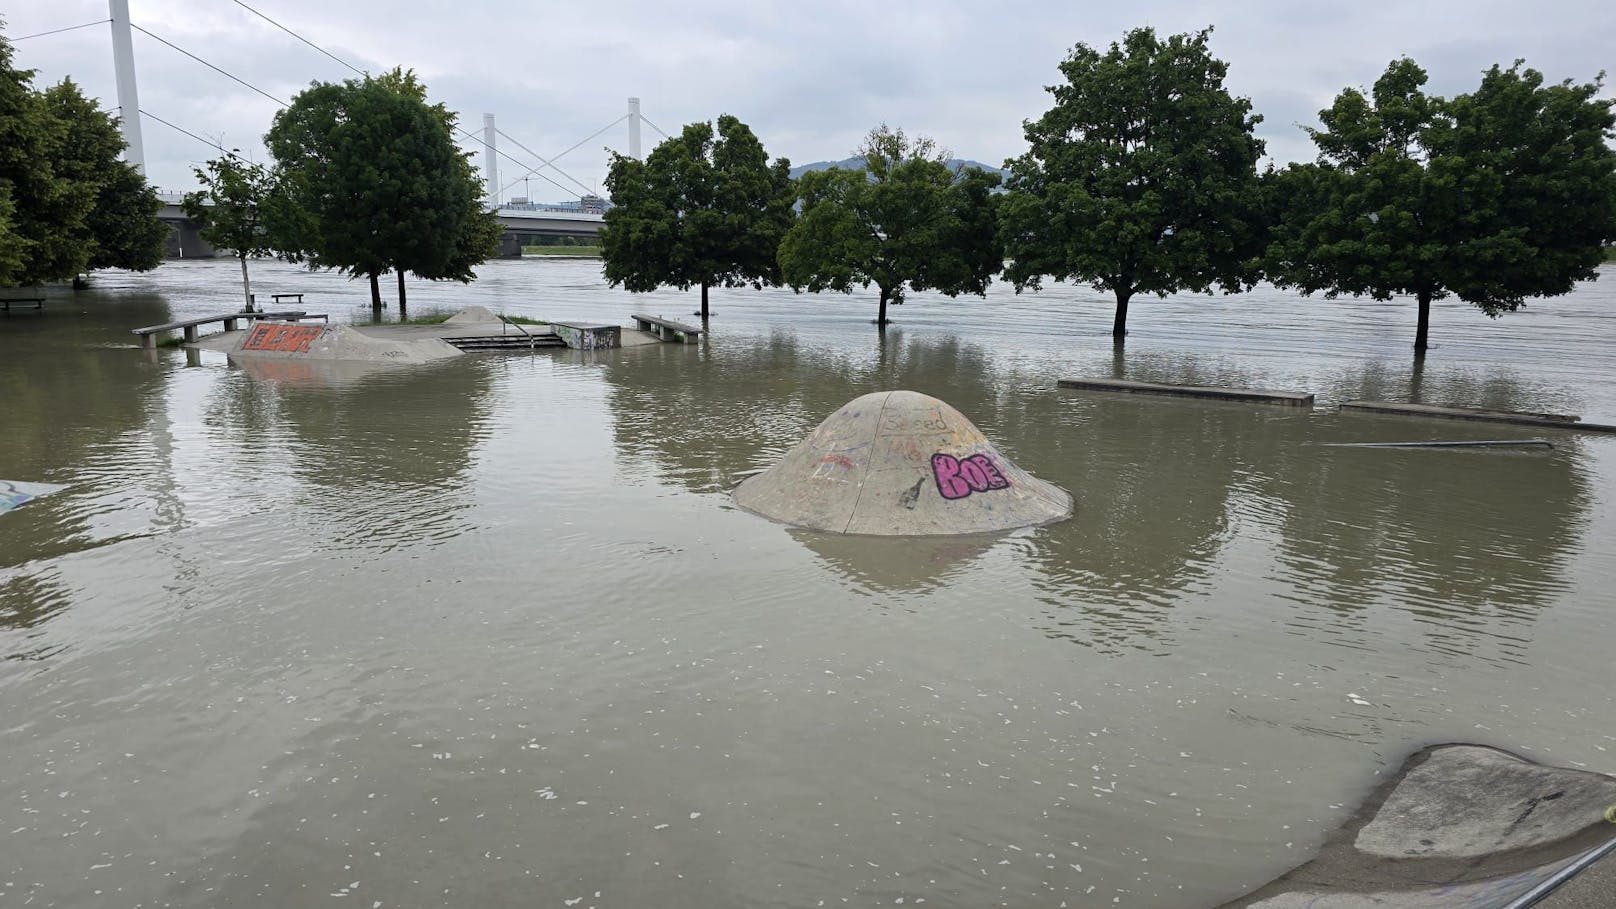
(507, 342)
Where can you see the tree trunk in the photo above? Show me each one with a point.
(375, 298)
(246, 286)
(1423, 331)
(1119, 326)
(704, 302)
(402, 310)
(881, 317)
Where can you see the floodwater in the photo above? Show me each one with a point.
(492, 633)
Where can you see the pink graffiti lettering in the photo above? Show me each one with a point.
(957, 478)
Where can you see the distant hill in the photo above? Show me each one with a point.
(857, 163)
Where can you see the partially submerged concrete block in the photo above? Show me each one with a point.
(588, 336)
(1458, 825)
(342, 343)
(1468, 801)
(900, 463)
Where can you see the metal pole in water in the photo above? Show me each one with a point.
(490, 165)
(634, 128)
(123, 68)
(1583, 863)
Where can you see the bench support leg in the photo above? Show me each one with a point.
(190, 334)
(148, 342)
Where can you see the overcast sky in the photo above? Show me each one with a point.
(811, 78)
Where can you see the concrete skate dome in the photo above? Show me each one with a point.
(1458, 825)
(900, 463)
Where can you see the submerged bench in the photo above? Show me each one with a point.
(7, 302)
(666, 329)
(1212, 392)
(1519, 418)
(295, 298)
(148, 335)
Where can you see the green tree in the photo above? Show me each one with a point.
(234, 209)
(379, 183)
(905, 220)
(11, 242)
(1502, 194)
(701, 210)
(1142, 178)
(45, 208)
(124, 223)
(70, 204)
(120, 228)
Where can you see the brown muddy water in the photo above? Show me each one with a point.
(492, 633)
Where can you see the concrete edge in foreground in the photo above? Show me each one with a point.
(1216, 393)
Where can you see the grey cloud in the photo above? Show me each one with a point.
(811, 79)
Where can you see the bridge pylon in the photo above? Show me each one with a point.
(123, 68)
(634, 128)
(491, 162)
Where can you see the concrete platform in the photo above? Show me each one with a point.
(1462, 825)
(1208, 392)
(1518, 418)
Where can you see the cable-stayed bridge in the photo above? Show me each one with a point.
(578, 214)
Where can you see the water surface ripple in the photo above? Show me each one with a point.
(492, 633)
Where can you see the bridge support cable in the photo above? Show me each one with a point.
(300, 38)
(205, 63)
(580, 143)
(543, 162)
(478, 141)
(58, 31)
(534, 172)
(655, 127)
(202, 139)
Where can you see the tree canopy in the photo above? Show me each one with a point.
(379, 183)
(905, 220)
(1142, 178)
(123, 224)
(120, 229)
(1498, 195)
(67, 203)
(235, 209)
(702, 210)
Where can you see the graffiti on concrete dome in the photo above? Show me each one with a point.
(900, 463)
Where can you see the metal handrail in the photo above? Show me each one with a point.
(532, 342)
(1582, 863)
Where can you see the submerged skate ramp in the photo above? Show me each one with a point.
(14, 493)
(1457, 826)
(900, 463)
(302, 342)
